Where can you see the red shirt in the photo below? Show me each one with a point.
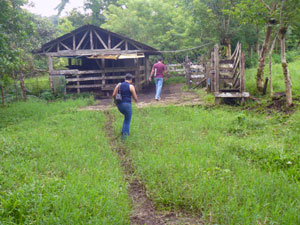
(160, 68)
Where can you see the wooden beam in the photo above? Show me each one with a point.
(108, 70)
(91, 40)
(118, 45)
(57, 47)
(100, 39)
(95, 78)
(82, 39)
(65, 46)
(126, 45)
(135, 45)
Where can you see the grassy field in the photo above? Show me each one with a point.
(233, 167)
(57, 167)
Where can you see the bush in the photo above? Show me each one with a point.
(47, 95)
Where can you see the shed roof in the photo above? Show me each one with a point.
(92, 40)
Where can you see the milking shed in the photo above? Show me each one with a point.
(98, 59)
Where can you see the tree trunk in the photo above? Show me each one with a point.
(270, 66)
(285, 68)
(2, 96)
(23, 87)
(262, 59)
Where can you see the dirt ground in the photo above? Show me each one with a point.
(172, 94)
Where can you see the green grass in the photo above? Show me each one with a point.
(232, 167)
(57, 167)
(278, 78)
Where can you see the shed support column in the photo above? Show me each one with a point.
(103, 72)
(147, 69)
(78, 85)
(137, 74)
(50, 64)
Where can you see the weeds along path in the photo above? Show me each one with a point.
(144, 211)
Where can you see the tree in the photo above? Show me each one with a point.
(289, 15)
(259, 12)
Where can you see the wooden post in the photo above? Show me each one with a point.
(211, 72)
(137, 74)
(23, 86)
(50, 64)
(78, 84)
(103, 71)
(242, 87)
(207, 68)
(147, 69)
(216, 68)
(37, 84)
(187, 72)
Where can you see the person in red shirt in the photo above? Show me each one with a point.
(160, 73)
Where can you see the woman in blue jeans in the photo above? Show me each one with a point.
(127, 91)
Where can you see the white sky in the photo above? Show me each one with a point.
(46, 7)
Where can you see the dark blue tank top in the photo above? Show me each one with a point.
(125, 92)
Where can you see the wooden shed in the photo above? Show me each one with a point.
(98, 59)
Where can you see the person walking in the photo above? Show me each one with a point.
(127, 90)
(160, 73)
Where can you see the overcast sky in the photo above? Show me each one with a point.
(46, 7)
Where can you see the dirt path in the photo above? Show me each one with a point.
(144, 211)
(171, 94)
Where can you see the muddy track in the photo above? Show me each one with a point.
(144, 211)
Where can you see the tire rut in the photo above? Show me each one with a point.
(144, 211)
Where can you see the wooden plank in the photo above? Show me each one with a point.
(118, 45)
(100, 39)
(95, 78)
(84, 86)
(82, 39)
(108, 70)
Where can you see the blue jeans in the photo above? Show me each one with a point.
(126, 109)
(158, 84)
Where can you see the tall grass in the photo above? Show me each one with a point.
(278, 78)
(57, 167)
(231, 167)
